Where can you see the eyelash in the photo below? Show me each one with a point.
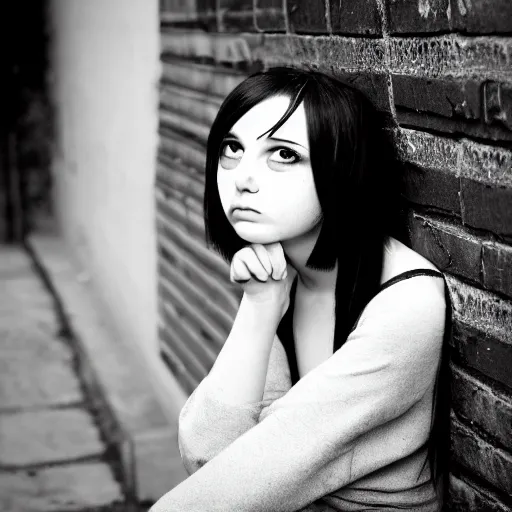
(297, 157)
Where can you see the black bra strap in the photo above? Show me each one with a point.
(410, 273)
(400, 277)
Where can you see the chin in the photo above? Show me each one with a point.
(257, 238)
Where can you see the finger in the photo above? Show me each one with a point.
(278, 260)
(239, 273)
(263, 256)
(253, 264)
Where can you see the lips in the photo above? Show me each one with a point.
(244, 209)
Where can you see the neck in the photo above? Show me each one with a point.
(298, 250)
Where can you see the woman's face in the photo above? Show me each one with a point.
(272, 175)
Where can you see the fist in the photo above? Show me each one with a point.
(263, 273)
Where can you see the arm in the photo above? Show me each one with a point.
(315, 439)
(207, 425)
(228, 401)
(249, 373)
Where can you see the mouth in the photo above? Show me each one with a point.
(243, 209)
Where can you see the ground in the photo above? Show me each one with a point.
(52, 453)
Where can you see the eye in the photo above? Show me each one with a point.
(231, 153)
(231, 149)
(284, 156)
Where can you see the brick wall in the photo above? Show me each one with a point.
(442, 70)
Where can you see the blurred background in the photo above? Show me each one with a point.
(112, 310)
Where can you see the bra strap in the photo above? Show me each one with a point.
(411, 273)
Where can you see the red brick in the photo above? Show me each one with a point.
(486, 206)
(490, 463)
(497, 267)
(482, 16)
(432, 188)
(307, 17)
(483, 352)
(360, 17)
(269, 16)
(479, 404)
(471, 498)
(447, 246)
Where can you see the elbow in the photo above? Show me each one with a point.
(192, 449)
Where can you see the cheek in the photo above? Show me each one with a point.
(224, 186)
(300, 197)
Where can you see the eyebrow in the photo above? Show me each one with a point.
(233, 135)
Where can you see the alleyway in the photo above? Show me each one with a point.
(52, 455)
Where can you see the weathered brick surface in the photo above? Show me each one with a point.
(496, 266)
(450, 55)
(475, 107)
(440, 70)
(206, 79)
(269, 16)
(448, 246)
(480, 405)
(235, 15)
(413, 17)
(476, 16)
(463, 157)
(482, 16)
(497, 103)
(471, 498)
(432, 188)
(307, 17)
(347, 53)
(487, 207)
(482, 351)
(356, 17)
(442, 97)
(489, 462)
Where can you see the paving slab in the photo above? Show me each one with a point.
(47, 436)
(14, 262)
(18, 338)
(70, 488)
(28, 381)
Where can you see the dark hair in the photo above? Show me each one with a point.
(356, 173)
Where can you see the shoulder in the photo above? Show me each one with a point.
(417, 291)
(414, 305)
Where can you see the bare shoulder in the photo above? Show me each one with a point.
(426, 293)
(399, 258)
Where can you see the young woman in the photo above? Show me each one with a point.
(324, 395)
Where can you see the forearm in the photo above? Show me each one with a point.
(240, 369)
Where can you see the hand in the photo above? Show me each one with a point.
(264, 274)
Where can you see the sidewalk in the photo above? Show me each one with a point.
(52, 455)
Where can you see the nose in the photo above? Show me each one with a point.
(245, 180)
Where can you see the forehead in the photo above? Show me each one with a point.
(266, 114)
